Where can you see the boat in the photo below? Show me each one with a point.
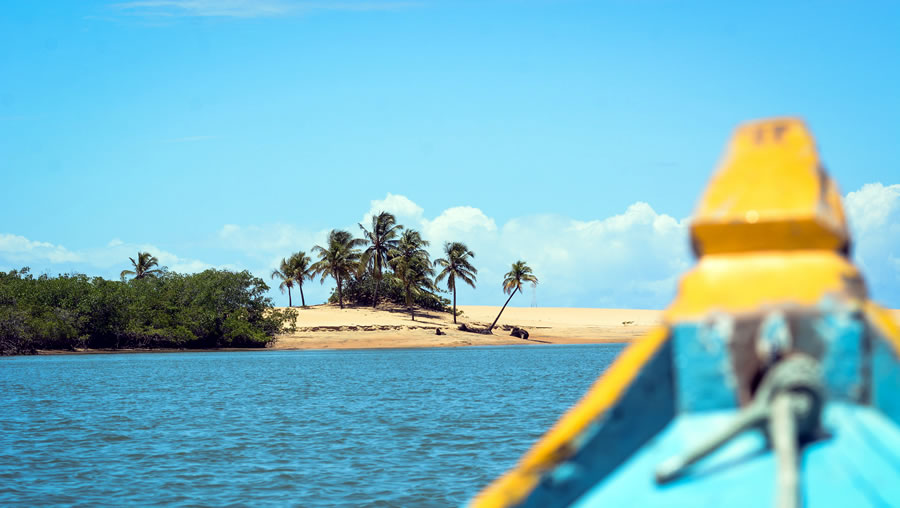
(773, 379)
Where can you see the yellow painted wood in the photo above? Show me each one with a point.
(745, 282)
(770, 192)
(884, 323)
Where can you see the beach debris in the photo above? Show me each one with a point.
(626, 323)
(472, 329)
(519, 332)
(437, 331)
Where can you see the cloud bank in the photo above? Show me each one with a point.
(874, 215)
(629, 260)
(17, 251)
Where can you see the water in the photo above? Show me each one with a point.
(415, 427)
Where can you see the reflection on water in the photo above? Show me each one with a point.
(415, 427)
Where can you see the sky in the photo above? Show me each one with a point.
(576, 135)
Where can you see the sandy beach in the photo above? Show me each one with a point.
(329, 327)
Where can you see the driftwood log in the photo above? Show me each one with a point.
(519, 332)
(472, 329)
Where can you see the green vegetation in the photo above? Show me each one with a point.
(300, 265)
(143, 267)
(294, 271)
(412, 265)
(339, 259)
(395, 266)
(381, 239)
(211, 309)
(456, 266)
(360, 290)
(151, 307)
(512, 284)
(283, 273)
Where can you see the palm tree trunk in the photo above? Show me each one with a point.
(340, 291)
(454, 304)
(289, 297)
(501, 310)
(302, 300)
(375, 298)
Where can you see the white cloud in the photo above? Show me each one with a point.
(871, 206)
(269, 239)
(402, 207)
(20, 249)
(16, 249)
(247, 8)
(874, 215)
(631, 259)
(263, 248)
(457, 224)
(628, 260)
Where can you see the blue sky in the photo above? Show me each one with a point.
(576, 135)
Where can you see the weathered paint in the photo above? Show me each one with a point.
(886, 380)
(705, 380)
(842, 332)
(743, 211)
(849, 468)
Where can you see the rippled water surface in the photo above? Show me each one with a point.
(415, 427)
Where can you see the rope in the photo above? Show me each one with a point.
(788, 406)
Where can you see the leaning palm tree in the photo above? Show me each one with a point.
(456, 266)
(143, 267)
(286, 276)
(412, 265)
(338, 259)
(512, 283)
(381, 239)
(299, 265)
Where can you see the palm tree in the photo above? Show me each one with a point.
(338, 259)
(301, 270)
(382, 238)
(285, 275)
(512, 283)
(412, 265)
(456, 265)
(143, 267)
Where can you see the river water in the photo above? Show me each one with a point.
(403, 427)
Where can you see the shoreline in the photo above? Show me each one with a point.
(520, 343)
(327, 327)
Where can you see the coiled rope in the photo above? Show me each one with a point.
(788, 407)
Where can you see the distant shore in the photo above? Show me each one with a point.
(329, 327)
(361, 327)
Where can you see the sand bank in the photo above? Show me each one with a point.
(329, 327)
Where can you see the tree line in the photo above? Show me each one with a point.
(155, 308)
(390, 262)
